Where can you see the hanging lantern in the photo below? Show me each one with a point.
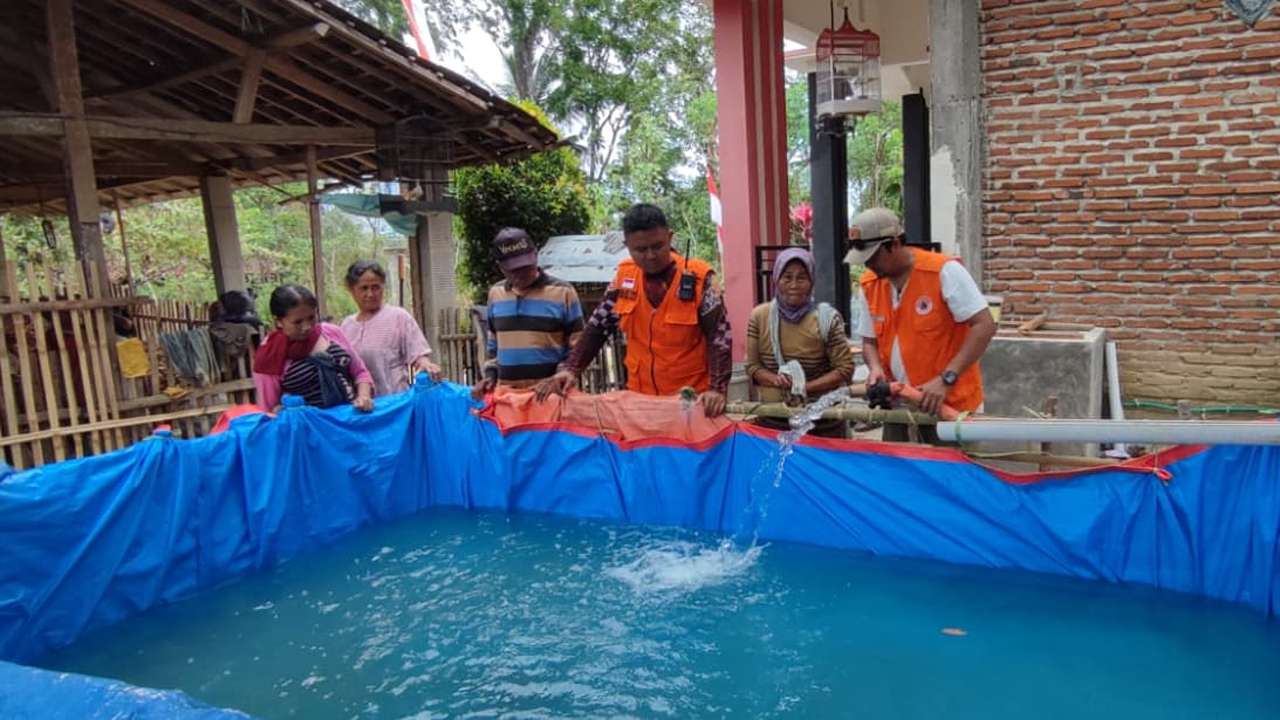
(848, 61)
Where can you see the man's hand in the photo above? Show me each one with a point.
(363, 402)
(482, 388)
(935, 393)
(713, 403)
(423, 364)
(876, 375)
(559, 384)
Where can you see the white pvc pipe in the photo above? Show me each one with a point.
(1113, 392)
(1146, 432)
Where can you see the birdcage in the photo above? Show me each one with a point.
(415, 149)
(848, 65)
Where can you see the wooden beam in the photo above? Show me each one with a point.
(291, 159)
(277, 65)
(191, 25)
(186, 76)
(299, 36)
(26, 308)
(283, 41)
(128, 169)
(460, 95)
(82, 191)
(248, 93)
(194, 131)
(313, 214)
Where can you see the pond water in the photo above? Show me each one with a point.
(462, 614)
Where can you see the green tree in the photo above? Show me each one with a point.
(544, 194)
(797, 102)
(875, 159)
(169, 249)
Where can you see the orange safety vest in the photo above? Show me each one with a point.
(928, 335)
(666, 349)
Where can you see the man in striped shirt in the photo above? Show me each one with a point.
(533, 319)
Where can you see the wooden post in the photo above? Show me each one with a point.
(124, 246)
(223, 232)
(82, 191)
(313, 213)
(399, 274)
(424, 310)
(4, 262)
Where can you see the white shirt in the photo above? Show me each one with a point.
(959, 292)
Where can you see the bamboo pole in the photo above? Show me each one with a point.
(114, 425)
(313, 215)
(106, 350)
(843, 412)
(64, 361)
(90, 364)
(24, 368)
(46, 367)
(7, 390)
(124, 245)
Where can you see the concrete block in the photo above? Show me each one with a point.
(1020, 372)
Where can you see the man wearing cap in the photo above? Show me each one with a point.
(669, 309)
(533, 319)
(924, 322)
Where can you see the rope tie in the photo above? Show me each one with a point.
(959, 421)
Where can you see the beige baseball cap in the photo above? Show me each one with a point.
(868, 230)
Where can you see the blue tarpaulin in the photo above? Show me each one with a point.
(89, 542)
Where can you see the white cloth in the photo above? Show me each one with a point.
(794, 371)
(959, 292)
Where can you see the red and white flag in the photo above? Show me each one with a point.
(417, 15)
(717, 213)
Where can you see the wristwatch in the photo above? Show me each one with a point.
(949, 378)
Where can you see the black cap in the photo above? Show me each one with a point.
(514, 249)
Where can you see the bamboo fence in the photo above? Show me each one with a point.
(62, 394)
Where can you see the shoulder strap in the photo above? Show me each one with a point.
(774, 332)
(826, 318)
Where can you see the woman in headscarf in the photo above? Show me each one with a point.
(305, 357)
(387, 337)
(797, 349)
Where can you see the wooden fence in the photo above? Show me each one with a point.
(461, 351)
(62, 392)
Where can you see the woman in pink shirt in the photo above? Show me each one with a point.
(385, 336)
(308, 358)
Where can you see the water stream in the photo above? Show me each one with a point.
(675, 567)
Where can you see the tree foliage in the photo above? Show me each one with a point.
(169, 248)
(545, 194)
(875, 160)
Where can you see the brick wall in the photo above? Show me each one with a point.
(1132, 181)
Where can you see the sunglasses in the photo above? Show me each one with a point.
(861, 245)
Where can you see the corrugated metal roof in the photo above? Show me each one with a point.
(583, 258)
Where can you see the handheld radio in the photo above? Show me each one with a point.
(688, 280)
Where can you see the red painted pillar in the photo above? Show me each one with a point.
(751, 111)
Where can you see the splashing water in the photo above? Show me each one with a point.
(685, 567)
(678, 566)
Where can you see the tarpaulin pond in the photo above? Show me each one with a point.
(426, 560)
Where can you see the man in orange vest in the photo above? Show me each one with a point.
(924, 322)
(669, 309)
